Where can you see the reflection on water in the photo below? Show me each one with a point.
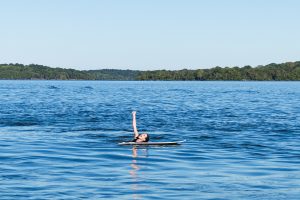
(134, 172)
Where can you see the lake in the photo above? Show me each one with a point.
(59, 140)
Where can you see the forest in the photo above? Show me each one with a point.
(289, 71)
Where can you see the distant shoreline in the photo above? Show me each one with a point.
(289, 71)
(66, 80)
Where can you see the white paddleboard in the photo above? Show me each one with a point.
(149, 143)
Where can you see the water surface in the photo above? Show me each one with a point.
(58, 140)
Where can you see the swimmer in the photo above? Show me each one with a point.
(143, 137)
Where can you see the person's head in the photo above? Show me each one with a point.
(144, 137)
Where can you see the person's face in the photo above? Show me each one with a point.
(142, 137)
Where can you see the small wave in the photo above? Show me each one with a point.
(240, 92)
(180, 90)
(22, 123)
(53, 87)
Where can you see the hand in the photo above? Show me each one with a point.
(133, 112)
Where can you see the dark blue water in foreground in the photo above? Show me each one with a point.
(58, 140)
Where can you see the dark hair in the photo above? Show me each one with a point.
(147, 138)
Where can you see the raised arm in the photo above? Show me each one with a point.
(136, 133)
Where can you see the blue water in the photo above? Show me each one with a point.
(59, 140)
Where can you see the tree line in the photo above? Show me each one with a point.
(276, 72)
(40, 72)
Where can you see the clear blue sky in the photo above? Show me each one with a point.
(149, 34)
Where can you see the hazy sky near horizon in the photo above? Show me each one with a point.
(149, 34)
